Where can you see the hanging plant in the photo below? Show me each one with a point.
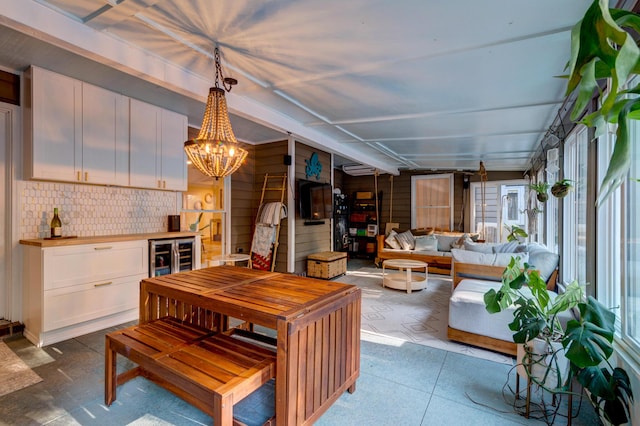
(561, 188)
(541, 189)
(516, 233)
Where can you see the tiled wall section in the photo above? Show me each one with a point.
(87, 210)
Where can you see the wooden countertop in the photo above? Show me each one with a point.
(105, 239)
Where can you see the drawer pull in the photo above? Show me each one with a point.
(103, 284)
(103, 248)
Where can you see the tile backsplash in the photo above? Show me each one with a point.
(87, 210)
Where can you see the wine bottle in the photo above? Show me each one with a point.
(56, 225)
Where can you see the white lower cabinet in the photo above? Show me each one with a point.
(74, 290)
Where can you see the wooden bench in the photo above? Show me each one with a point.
(209, 369)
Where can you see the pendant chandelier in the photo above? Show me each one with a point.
(215, 151)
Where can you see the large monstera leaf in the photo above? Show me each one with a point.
(610, 392)
(588, 340)
(601, 48)
(588, 345)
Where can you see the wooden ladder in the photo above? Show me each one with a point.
(270, 183)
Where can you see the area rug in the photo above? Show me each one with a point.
(14, 373)
(420, 316)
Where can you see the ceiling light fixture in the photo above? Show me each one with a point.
(215, 151)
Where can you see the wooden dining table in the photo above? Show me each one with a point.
(316, 323)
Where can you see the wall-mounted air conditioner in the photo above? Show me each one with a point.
(358, 170)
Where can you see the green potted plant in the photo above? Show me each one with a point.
(587, 342)
(541, 189)
(561, 188)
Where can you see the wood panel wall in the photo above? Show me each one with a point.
(269, 158)
(243, 203)
(246, 187)
(397, 191)
(314, 238)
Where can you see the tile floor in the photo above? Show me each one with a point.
(405, 384)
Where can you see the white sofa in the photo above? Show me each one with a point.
(436, 251)
(473, 275)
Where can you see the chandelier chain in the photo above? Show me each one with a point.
(227, 83)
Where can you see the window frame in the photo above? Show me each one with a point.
(415, 179)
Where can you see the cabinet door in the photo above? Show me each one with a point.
(99, 117)
(143, 144)
(173, 158)
(56, 125)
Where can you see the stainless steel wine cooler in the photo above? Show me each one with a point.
(168, 256)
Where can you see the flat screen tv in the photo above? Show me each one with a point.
(315, 200)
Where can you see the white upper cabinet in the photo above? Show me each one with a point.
(156, 149)
(84, 133)
(105, 137)
(143, 145)
(56, 126)
(173, 159)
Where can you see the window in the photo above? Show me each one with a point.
(432, 201)
(618, 244)
(575, 207)
(505, 204)
(551, 206)
(608, 222)
(631, 250)
(539, 217)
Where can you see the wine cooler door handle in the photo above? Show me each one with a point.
(176, 257)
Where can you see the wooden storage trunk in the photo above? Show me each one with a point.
(327, 264)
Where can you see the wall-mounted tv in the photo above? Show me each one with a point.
(315, 200)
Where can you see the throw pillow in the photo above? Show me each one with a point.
(503, 259)
(459, 243)
(391, 240)
(543, 260)
(466, 256)
(445, 241)
(510, 247)
(426, 243)
(406, 240)
(491, 259)
(478, 247)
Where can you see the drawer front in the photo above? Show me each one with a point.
(81, 264)
(73, 305)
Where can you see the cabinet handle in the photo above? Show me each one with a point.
(103, 284)
(86, 176)
(159, 183)
(78, 175)
(164, 184)
(103, 248)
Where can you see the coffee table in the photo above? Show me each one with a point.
(404, 279)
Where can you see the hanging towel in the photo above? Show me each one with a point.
(272, 213)
(263, 238)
